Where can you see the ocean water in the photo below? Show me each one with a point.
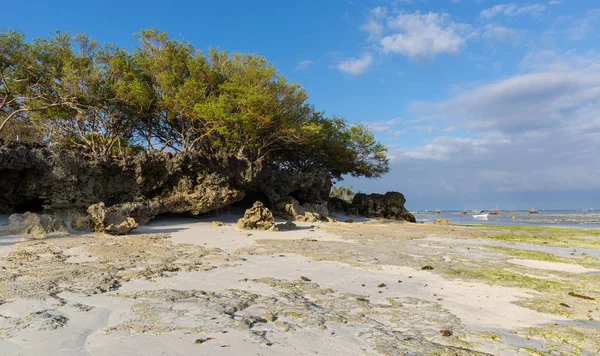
(559, 218)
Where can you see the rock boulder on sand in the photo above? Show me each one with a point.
(291, 209)
(38, 225)
(388, 206)
(258, 217)
(113, 220)
(442, 222)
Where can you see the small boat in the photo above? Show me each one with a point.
(481, 216)
(495, 211)
(533, 211)
(464, 212)
(438, 211)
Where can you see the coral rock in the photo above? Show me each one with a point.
(258, 217)
(38, 225)
(111, 220)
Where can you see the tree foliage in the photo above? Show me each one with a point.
(344, 193)
(167, 95)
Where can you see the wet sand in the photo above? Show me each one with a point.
(184, 286)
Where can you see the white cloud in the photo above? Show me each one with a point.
(374, 28)
(384, 126)
(355, 66)
(512, 10)
(303, 64)
(536, 131)
(425, 128)
(427, 35)
(498, 33)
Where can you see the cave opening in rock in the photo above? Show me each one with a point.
(34, 205)
(249, 199)
(299, 196)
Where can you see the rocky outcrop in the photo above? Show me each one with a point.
(388, 206)
(258, 217)
(304, 187)
(82, 223)
(338, 205)
(291, 209)
(113, 220)
(39, 178)
(38, 225)
(441, 222)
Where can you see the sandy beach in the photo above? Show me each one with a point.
(183, 286)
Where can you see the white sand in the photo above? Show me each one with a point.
(477, 306)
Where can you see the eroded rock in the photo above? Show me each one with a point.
(388, 206)
(442, 222)
(38, 225)
(113, 220)
(291, 208)
(258, 217)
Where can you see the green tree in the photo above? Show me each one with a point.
(27, 80)
(106, 96)
(344, 193)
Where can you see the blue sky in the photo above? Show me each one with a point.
(481, 102)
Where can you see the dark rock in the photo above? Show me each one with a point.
(113, 221)
(286, 226)
(38, 225)
(338, 205)
(388, 206)
(39, 178)
(258, 217)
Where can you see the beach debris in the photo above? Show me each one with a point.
(218, 223)
(565, 305)
(382, 285)
(426, 268)
(202, 341)
(38, 225)
(442, 222)
(349, 221)
(305, 279)
(446, 332)
(258, 217)
(112, 221)
(581, 296)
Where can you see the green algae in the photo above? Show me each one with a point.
(586, 261)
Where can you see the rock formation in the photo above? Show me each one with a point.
(258, 217)
(388, 206)
(442, 222)
(38, 225)
(113, 220)
(291, 209)
(40, 178)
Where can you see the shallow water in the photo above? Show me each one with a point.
(561, 218)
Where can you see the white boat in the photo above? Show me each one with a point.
(480, 216)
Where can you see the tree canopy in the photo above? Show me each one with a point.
(166, 95)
